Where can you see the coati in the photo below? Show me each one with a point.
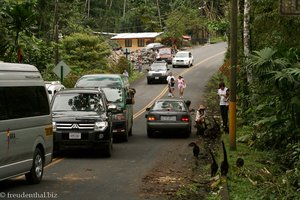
(224, 164)
(214, 165)
(196, 149)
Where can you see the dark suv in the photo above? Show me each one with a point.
(158, 72)
(82, 119)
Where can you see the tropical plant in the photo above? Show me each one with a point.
(84, 52)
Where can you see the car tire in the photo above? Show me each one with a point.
(125, 137)
(37, 169)
(108, 149)
(174, 66)
(148, 81)
(187, 133)
(149, 133)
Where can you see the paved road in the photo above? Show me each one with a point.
(82, 175)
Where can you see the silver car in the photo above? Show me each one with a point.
(168, 115)
(158, 72)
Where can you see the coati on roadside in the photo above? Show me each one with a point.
(224, 164)
(214, 165)
(196, 149)
(240, 162)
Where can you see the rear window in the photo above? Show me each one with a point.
(20, 102)
(169, 105)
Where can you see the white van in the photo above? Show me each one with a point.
(26, 136)
(53, 87)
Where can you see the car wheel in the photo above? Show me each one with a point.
(187, 133)
(149, 133)
(36, 172)
(148, 81)
(108, 149)
(125, 137)
(174, 66)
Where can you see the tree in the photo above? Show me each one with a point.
(85, 52)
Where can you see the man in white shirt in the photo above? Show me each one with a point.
(171, 84)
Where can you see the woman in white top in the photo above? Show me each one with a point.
(223, 104)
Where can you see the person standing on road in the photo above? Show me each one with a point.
(171, 84)
(181, 86)
(223, 104)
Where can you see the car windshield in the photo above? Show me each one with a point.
(169, 105)
(99, 82)
(164, 51)
(158, 66)
(77, 102)
(182, 54)
(113, 95)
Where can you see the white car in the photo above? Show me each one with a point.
(183, 58)
(53, 87)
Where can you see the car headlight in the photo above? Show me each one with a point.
(101, 126)
(54, 126)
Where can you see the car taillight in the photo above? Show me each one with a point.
(151, 118)
(184, 119)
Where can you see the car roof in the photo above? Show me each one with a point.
(103, 75)
(174, 100)
(80, 90)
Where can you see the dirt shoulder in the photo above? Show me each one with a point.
(178, 174)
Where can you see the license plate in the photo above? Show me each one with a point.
(156, 77)
(75, 136)
(168, 118)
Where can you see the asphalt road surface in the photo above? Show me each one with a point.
(82, 175)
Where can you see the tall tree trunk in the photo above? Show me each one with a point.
(246, 27)
(246, 35)
(124, 8)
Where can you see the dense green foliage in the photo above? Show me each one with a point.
(269, 88)
(42, 32)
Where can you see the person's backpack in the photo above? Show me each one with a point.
(172, 81)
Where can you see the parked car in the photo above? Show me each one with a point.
(165, 54)
(170, 115)
(154, 45)
(53, 87)
(117, 90)
(183, 58)
(26, 137)
(82, 119)
(158, 72)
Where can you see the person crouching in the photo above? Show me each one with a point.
(200, 120)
